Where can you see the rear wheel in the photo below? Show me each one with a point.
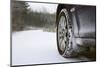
(65, 34)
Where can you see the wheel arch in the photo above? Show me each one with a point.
(60, 7)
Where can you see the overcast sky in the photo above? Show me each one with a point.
(43, 7)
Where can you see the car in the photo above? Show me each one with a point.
(76, 30)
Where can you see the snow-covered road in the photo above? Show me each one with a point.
(35, 47)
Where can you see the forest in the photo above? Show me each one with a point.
(22, 18)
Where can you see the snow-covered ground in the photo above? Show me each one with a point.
(36, 47)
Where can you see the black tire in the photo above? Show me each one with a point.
(64, 36)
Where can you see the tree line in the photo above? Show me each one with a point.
(22, 16)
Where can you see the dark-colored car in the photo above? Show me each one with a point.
(76, 30)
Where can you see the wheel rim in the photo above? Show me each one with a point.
(64, 34)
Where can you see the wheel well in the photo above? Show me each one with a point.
(60, 7)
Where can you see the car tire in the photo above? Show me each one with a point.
(65, 34)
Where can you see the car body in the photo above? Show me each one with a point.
(82, 19)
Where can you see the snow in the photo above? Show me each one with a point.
(36, 47)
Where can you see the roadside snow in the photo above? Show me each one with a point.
(35, 47)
